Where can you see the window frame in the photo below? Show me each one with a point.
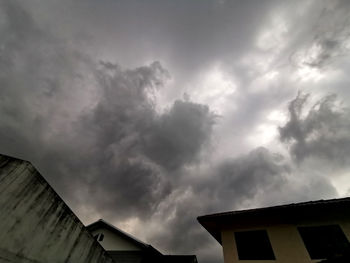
(324, 250)
(244, 238)
(101, 237)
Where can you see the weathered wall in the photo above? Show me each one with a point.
(36, 225)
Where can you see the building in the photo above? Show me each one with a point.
(317, 231)
(122, 246)
(36, 226)
(125, 248)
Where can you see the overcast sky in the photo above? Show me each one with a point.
(151, 113)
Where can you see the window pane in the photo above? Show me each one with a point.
(324, 241)
(254, 245)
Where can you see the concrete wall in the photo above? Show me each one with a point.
(36, 225)
(112, 241)
(286, 242)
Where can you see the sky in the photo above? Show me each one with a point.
(151, 113)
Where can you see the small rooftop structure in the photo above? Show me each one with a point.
(125, 248)
(100, 224)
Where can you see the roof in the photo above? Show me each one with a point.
(290, 214)
(103, 224)
(126, 256)
(140, 256)
(179, 258)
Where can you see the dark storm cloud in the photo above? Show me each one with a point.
(96, 131)
(115, 146)
(225, 186)
(243, 177)
(321, 132)
(184, 35)
(177, 136)
(128, 188)
(233, 184)
(125, 107)
(37, 98)
(133, 147)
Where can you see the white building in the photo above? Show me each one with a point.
(125, 248)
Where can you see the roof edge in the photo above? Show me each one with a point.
(123, 233)
(283, 206)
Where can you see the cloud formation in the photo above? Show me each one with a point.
(321, 132)
(177, 136)
(106, 123)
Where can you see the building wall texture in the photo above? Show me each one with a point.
(35, 223)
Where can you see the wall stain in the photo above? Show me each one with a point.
(36, 225)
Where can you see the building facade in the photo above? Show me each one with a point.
(299, 233)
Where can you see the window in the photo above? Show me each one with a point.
(254, 245)
(99, 237)
(324, 241)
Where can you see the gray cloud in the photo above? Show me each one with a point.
(115, 145)
(235, 183)
(328, 40)
(97, 131)
(133, 146)
(178, 135)
(321, 132)
(243, 177)
(260, 176)
(226, 186)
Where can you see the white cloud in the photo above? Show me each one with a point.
(213, 87)
(275, 34)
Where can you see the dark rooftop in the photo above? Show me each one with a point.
(141, 257)
(179, 258)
